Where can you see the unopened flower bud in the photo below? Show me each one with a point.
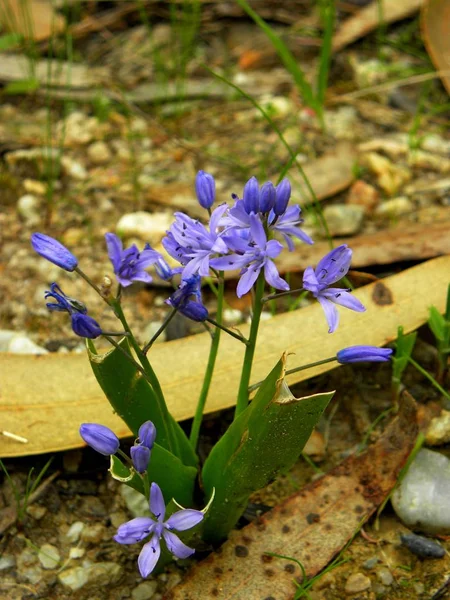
(100, 438)
(147, 434)
(205, 188)
(140, 455)
(283, 190)
(251, 196)
(85, 326)
(267, 197)
(54, 251)
(354, 354)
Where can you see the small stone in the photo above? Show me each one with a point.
(390, 177)
(340, 123)
(100, 574)
(36, 511)
(232, 316)
(421, 498)
(6, 562)
(395, 207)
(74, 578)
(435, 143)
(344, 219)
(357, 582)
(422, 546)
(315, 447)
(93, 534)
(419, 588)
(77, 552)
(136, 502)
(145, 590)
(385, 576)
(73, 236)
(49, 556)
(428, 161)
(438, 432)
(149, 227)
(33, 186)
(28, 567)
(370, 563)
(325, 581)
(20, 344)
(99, 153)
(73, 535)
(363, 194)
(73, 168)
(28, 207)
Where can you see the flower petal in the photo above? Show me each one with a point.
(310, 282)
(344, 298)
(273, 278)
(257, 232)
(176, 546)
(184, 519)
(247, 280)
(334, 265)
(115, 248)
(149, 556)
(331, 313)
(157, 505)
(134, 531)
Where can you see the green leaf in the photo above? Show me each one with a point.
(438, 324)
(264, 441)
(175, 479)
(21, 87)
(9, 40)
(403, 350)
(133, 399)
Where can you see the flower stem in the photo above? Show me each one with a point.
(430, 378)
(167, 320)
(198, 417)
(216, 323)
(242, 399)
(92, 284)
(280, 294)
(297, 369)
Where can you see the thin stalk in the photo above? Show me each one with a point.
(167, 320)
(89, 281)
(430, 378)
(126, 458)
(198, 417)
(242, 399)
(241, 338)
(297, 369)
(280, 294)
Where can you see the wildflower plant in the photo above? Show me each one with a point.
(267, 434)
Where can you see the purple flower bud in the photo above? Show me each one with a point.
(140, 455)
(100, 438)
(85, 326)
(205, 188)
(283, 190)
(251, 196)
(163, 269)
(354, 354)
(267, 197)
(53, 251)
(147, 434)
(194, 311)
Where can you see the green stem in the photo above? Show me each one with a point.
(297, 369)
(146, 482)
(242, 399)
(280, 294)
(198, 417)
(241, 338)
(429, 377)
(167, 320)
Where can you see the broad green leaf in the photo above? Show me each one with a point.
(133, 399)
(438, 324)
(175, 479)
(403, 350)
(264, 441)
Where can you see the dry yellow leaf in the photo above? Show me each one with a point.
(45, 398)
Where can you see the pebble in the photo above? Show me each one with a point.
(73, 535)
(73, 168)
(232, 316)
(49, 556)
(390, 177)
(357, 582)
(422, 546)
(438, 432)
(340, 123)
(33, 186)
(28, 207)
(36, 511)
(99, 153)
(145, 590)
(435, 143)
(93, 534)
(421, 498)
(277, 106)
(103, 573)
(19, 343)
(315, 447)
(385, 576)
(363, 194)
(370, 563)
(344, 219)
(149, 227)
(27, 566)
(135, 502)
(76, 552)
(425, 160)
(395, 207)
(78, 128)
(6, 562)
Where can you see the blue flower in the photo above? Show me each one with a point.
(100, 438)
(163, 269)
(330, 269)
(252, 255)
(140, 456)
(147, 434)
(82, 324)
(354, 354)
(138, 529)
(283, 195)
(286, 224)
(129, 264)
(53, 251)
(180, 299)
(189, 242)
(205, 188)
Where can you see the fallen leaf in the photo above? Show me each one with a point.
(435, 23)
(45, 398)
(34, 19)
(312, 526)
(370, 17)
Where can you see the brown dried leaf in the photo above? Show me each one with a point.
(312, 526)
(46, 398)
(34, 19)
(368, 18)
(435, 23)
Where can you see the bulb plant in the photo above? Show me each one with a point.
(267, 434)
